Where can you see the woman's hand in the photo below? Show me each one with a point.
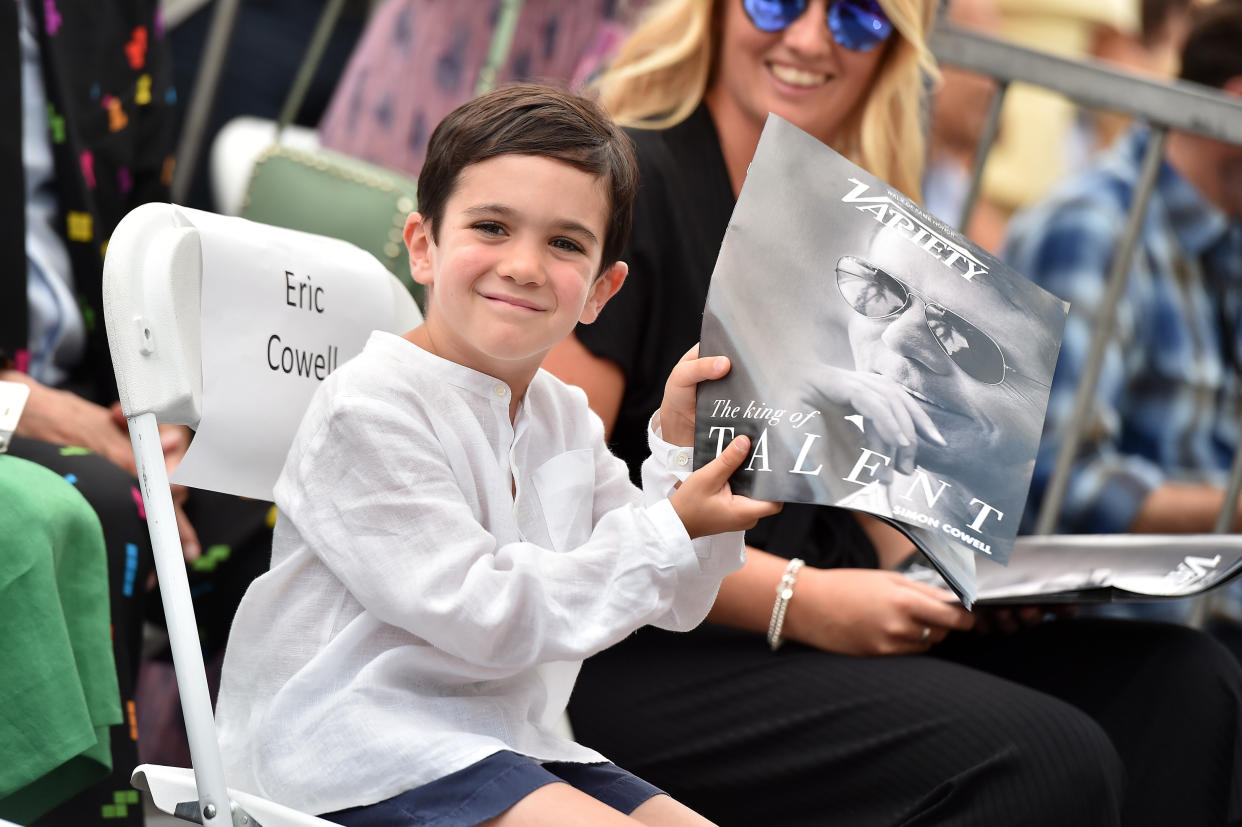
(677, 408)
(1007, 620)
(64, 418)
(894, 420)
(870, 612)
(174, 441)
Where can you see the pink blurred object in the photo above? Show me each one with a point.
(419, 59)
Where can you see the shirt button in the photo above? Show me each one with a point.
(501, 391)
(683, 460)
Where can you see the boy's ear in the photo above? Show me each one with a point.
(604, 288)
(418, 241)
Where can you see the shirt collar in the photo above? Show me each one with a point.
(448, 371)
(1197, 222)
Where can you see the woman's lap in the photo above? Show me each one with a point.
(1169, 698)
(739, 733)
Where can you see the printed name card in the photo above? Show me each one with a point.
(281, 310)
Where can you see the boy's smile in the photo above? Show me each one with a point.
(513, 266)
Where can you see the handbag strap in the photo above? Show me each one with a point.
(497, 54)
(310, 62)
(498, 50)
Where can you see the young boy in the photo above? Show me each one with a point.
(454, 536)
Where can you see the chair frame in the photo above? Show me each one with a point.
(152, 279)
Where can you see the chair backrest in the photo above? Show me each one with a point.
(157, 288)
(184, 293)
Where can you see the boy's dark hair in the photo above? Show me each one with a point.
(533, 120)
(1213, 50)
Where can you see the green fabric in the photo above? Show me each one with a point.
(332, 194)
(58, 686)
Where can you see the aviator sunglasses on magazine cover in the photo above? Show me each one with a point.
(858, 25)
(874, 293)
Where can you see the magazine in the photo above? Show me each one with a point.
(1103, 568)
(880, 360)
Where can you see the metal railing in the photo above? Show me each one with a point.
(1163, 106)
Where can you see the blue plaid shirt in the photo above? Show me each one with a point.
(1167, 404)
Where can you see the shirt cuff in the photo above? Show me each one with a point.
(678, 460)
(668, 524)
(718, 554)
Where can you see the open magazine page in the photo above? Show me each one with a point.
(881, 361)
(1095, 568)
(1114, 567)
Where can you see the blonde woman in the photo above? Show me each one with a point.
(867, 715)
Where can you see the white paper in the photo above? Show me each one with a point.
(280, 311)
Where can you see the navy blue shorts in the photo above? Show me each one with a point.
(487, 788)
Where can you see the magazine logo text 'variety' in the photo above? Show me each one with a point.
(888, 212)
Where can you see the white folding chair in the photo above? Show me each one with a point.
(153, 275)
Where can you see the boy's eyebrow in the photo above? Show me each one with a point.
(480, 210)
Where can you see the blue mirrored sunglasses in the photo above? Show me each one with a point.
(859, 25)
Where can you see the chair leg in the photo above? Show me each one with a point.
(214, 804)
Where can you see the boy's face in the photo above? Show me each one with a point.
(514, 269)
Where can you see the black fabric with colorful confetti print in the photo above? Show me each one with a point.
(107, 76)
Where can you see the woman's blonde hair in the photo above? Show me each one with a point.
(664, 69)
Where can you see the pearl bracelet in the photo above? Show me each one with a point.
(784, 591)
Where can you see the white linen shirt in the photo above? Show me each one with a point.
(437, 577)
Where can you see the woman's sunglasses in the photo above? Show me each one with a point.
(875, 294)
(858, 25)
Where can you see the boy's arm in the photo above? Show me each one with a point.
(665, 469)
(704, 502)
(378, 501)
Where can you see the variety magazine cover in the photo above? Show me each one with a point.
(880, 360)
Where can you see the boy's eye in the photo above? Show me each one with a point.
(567, 244)
(489, 227)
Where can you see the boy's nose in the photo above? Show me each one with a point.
(909, 335)
(522, 265)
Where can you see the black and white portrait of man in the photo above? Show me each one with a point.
(902, 370)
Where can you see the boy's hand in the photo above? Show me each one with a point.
(707, 506)
(677, 409)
